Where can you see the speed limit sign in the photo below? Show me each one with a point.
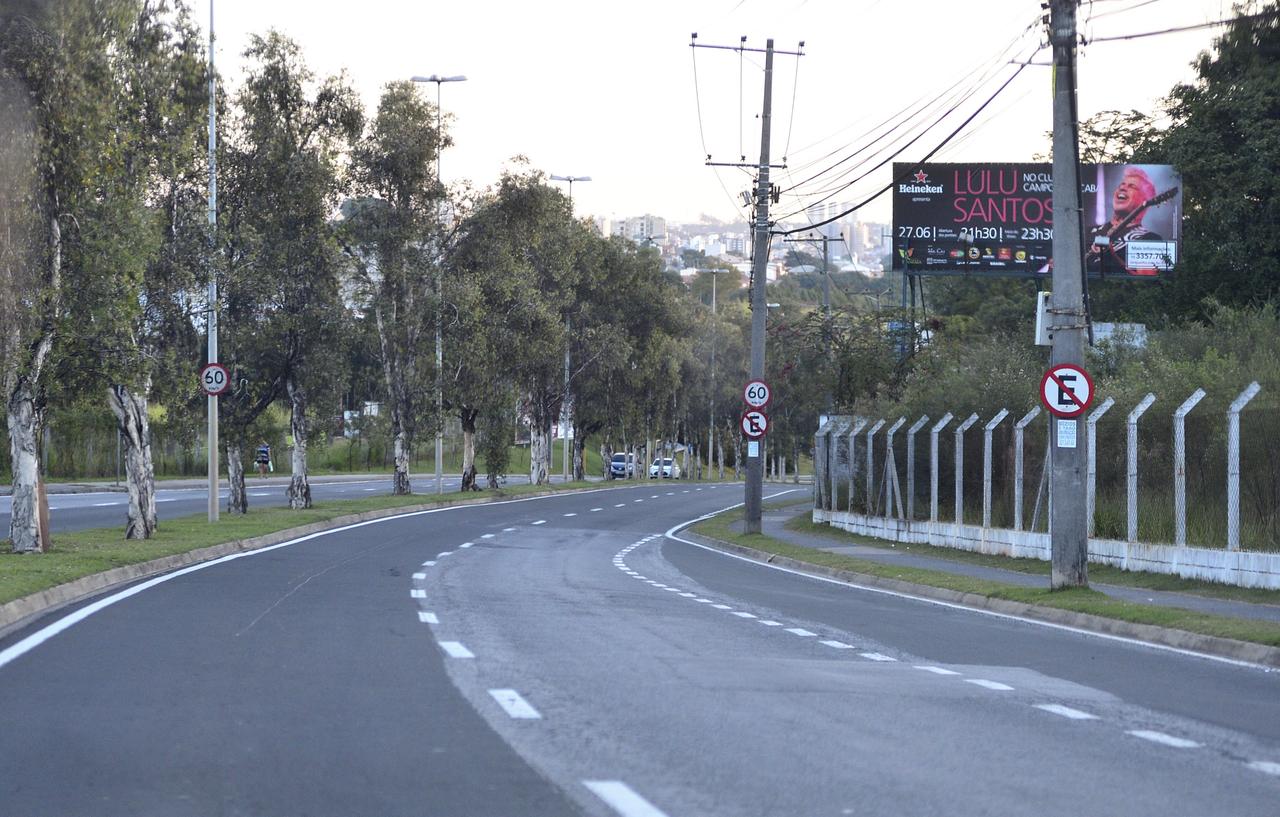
(214, 379)
(757, 394)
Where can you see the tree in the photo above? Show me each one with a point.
(389, 234)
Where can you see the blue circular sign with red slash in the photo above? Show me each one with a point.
(1067, 390)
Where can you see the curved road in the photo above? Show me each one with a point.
(568, 655)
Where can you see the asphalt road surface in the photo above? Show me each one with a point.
(566, 655)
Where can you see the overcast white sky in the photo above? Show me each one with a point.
(607, 90)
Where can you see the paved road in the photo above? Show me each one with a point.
(561, 656)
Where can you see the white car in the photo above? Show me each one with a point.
(665, 468)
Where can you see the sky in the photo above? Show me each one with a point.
(613, 91)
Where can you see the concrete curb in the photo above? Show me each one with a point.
(1164, 636)
(18, 612)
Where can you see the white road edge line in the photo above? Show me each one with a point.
(622, 799)
(455, 649)
(514, 705)
(671, 534)
(1067, 712)
(1163, 739)
(20, 648)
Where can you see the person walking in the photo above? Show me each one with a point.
(262, 458)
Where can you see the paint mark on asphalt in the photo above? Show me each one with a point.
(1163, 739)
(875, 656)
(837, 645)
(800, 631)
(939, 670)
(994, 685)
(514, 704)
(456, 650)
(417, 594)
(622, 799)
(419, 576)
(1067, 712)
(427, 618)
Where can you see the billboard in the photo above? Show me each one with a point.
(997, 219)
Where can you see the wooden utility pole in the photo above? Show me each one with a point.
(1068, 525)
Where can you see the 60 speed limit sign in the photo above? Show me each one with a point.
(757, 394)
(214, 379)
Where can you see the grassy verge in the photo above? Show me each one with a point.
(1075, 600)
(81, 553)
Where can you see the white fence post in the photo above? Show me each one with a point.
(819, 469)
(1233, 464)
(859, 423)
(1018, 429)
(891, 487)
(871, 469)
(1131, 465)
(933, 465)
(1180, 466)
(960, 430)
(1091, 460)
(987, 431)
(911, 467)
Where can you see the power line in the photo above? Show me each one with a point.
(1244, 18)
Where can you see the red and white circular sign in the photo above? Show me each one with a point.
(1067, 390)
(214, 379)
(757, 394)
(755, 423)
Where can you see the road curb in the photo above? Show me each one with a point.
(1164, 636)
(19, 612)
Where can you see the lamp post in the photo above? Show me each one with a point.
(565, 408)
(439, 80)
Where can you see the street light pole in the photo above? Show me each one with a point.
(439, 80)
(566, 410)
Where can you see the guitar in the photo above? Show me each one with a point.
(1104, 253)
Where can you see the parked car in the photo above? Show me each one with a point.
(622, 466)
(665, 468)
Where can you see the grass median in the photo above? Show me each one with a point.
(1079, 600)
(75, 554)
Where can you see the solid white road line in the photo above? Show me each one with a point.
(875, 656)
(515, 706)
(1163, 739)
(456, 650)
(995, 685)
(622, 799)
(417, 594)
(427, 618)
(800, 631)
(1067, 712)
(1266, 767)
(939, 670)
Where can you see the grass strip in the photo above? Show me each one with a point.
(75, 554)
(1102, 574)
(1079, 600)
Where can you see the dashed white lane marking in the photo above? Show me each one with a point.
(939, 670)
(571, 514)
(622, 799)
(596, 510)
(368, 489)
(1163, 739)
(508, 530)
(491, 535)
(540, 522)
(875, 656)
(995, 685)
(638, 500)
(769, 623)
(158, 500)
(704, 601)
(456, 650)
(688, 595)
(671, 493)
(430, 563)
(620, 505)
(800, 631)
(722, 607)
(1266, 767)
(419, 576)
(102, 504)
(466, 544)
(673, 589)
(684, 492)
(838, 645)
(444, 553)
(741, 614)
(259, 493)
(514, 705)
(655, 496)
(417, 594)
(1067, 712)
(427, 618)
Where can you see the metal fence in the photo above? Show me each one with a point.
(1190, 469)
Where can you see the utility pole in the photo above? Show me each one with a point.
(566, 407)
(212, 314)
(1068, 525)
(755, 465)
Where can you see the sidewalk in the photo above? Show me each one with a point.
(773, 523)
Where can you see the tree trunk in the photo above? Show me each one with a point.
(400, 478)
(468, 418)
(237, 497)
(720, 457)
(579, 454)
(24, 519)
(130, 410)
(299, 488)
(539, 453)
(737, 456)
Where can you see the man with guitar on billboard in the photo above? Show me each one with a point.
(1129, 203)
